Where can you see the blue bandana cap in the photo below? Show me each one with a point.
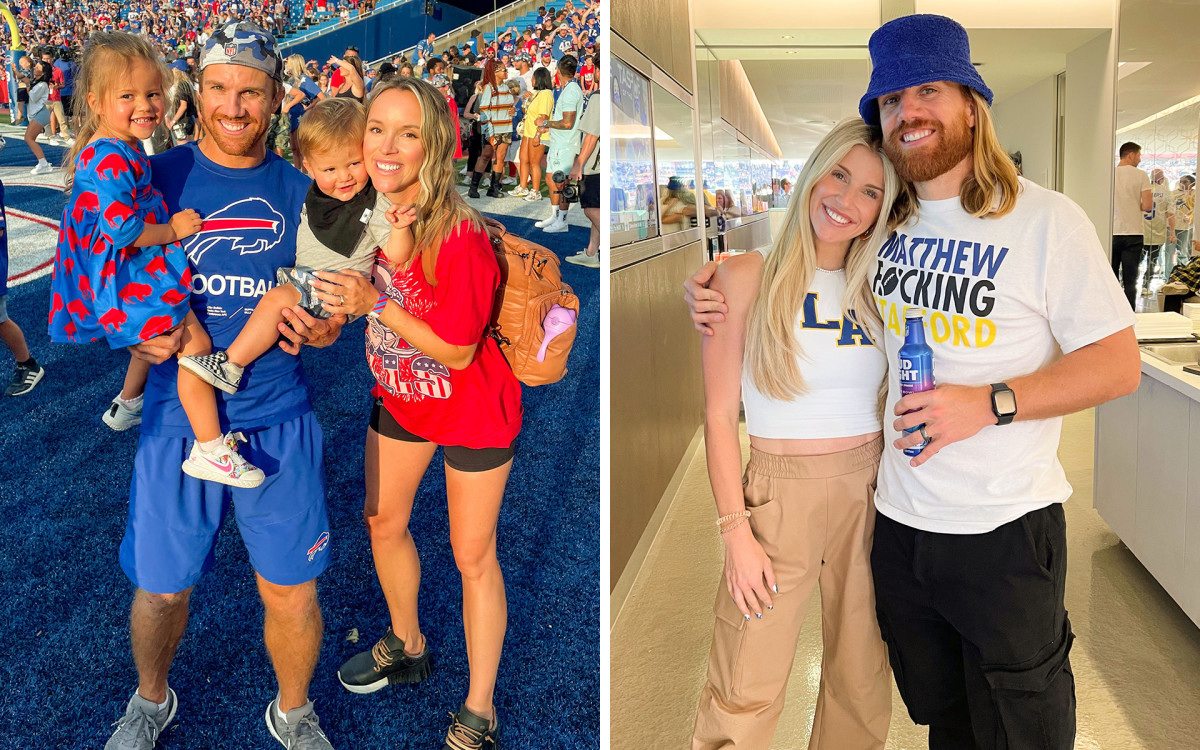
(243, 43)
(913, 50)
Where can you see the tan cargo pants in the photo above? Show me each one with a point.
(815, 518)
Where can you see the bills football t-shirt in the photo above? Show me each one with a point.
(249, 219)
(1002, 298)
(476, 407)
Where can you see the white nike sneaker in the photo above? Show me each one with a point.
(42, 168)
(520, 192)
(547, 221)
(224, 465)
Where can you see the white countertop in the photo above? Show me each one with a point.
(1171, 375)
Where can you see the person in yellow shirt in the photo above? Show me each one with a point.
(537, 110)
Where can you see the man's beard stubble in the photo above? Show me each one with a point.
(240, 145)
(956, 143)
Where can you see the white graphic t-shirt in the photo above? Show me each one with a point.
(1002, 297)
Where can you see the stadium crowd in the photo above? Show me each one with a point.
(507, 93)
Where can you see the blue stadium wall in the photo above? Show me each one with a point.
(384, 32)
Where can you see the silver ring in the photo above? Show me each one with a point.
(924, 434)
(342, 301)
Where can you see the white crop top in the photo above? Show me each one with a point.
(842, 372)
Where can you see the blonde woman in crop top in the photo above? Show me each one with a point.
(798, 349)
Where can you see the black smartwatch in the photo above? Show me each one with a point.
(1004, 403)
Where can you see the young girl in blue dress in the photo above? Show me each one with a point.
(120, 272)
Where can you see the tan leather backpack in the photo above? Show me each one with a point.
(531, 286)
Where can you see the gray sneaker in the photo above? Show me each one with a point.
(143, 721)
(301, 731)
(120, 417)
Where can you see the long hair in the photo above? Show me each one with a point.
(772, 350)
(489, 76)
(294, 67)
(991, 189)
(440, 209)
(106, 60)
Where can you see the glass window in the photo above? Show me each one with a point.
(725, 173)
(743, 185)
(675, 155)
(633, 213)
(760, 173)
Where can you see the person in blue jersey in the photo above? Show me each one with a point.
(425, 50)
(799, 351)
(250, 200)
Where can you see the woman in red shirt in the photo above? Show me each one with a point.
(440, 380)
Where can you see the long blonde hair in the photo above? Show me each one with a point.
(772, 350)
(440, 209)
(990, 191)
(106, 59)
(294, 67)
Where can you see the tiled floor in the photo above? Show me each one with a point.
(1136, 658)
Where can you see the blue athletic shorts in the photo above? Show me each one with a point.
(174, 519)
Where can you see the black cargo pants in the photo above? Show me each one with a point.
(977, 632)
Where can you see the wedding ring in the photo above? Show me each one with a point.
(924, 434)
(342, 301)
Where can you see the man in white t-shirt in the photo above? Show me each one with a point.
(1132, 197)
(1026, 325)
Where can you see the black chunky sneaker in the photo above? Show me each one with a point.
(385, 664)
(470, 732)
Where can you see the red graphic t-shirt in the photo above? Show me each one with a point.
(476, 407)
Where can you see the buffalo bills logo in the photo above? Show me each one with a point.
(246, 227)
(321, 543)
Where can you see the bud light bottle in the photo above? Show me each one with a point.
(916, 365)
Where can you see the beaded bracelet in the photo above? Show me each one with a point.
(733, 517)
(726, 529)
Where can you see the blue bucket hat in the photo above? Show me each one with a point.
(243, 43)
(918, 49)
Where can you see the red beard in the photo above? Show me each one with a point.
(934, 160)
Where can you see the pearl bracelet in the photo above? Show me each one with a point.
(726, 529)
(733, 517)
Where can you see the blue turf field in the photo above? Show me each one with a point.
(66, 670)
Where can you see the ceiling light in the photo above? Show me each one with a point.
(790, 52)
(789, 36)
(1157, 115)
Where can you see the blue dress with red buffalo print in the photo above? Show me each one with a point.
(104, 286)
